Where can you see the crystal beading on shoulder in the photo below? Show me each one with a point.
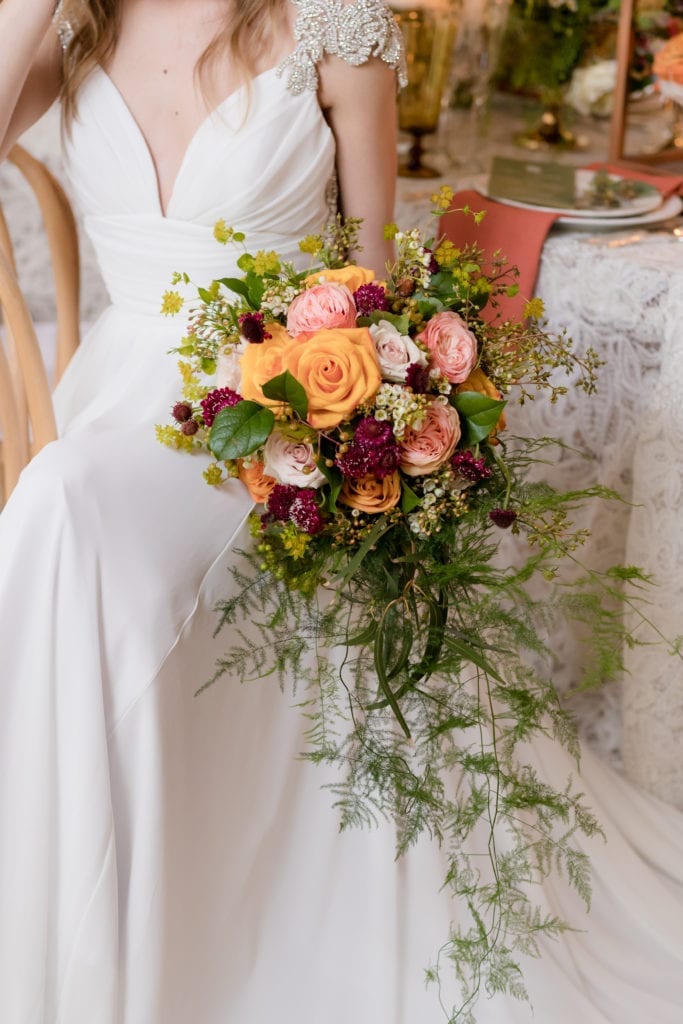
(63, 25)
(355, 32)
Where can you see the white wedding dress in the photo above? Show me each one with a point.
(167, 859)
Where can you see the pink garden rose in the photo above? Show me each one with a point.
(428, 447)
(324, 306)
(396, 352)
(291, 461)
(451, 344)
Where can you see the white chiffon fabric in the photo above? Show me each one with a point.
(167, 859)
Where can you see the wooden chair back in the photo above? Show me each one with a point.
(27, 419)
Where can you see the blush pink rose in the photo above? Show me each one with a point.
(323, 307)
(291, 461)
(428, 447)
(452, 346)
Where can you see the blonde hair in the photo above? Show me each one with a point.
(246, 36)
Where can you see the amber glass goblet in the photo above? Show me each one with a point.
(428, 35)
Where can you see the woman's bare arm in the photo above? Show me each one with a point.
(29, 66)
(360, 104)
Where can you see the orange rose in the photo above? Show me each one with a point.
(338, 370)
(263, 361)
(258, 483)
(370, 494)
(352, 277)
(478, 381)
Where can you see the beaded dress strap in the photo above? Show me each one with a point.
(62, 25)
(354, 31)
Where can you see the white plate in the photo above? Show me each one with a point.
(632, 208)
(670, 208)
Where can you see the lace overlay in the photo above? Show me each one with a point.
(355, 32)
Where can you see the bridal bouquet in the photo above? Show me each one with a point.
(367, 418)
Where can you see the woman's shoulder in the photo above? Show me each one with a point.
(354, 30)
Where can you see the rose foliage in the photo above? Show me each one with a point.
(366, 419)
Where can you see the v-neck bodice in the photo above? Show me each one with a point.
(262, 161)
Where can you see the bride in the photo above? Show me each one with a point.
(166, 860)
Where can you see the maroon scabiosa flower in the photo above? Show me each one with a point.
(383, 461)
(503, 517)
(370, 297)
(305, 512)
(417, 378)
(372, 433)
(466, 466)
(219, 398)
(182, 411)
(189, 427)
(354, 462)
(280, 501)
(251, 326)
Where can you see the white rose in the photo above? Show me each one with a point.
(395, 351)
(291, 461)
(228, 369)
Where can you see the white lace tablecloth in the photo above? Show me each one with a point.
(624, 296)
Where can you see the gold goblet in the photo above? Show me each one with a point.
(428, 35)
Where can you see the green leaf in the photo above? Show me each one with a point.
(429, 306)
(208, 365)
(286, 388)
(240, 430)
(246, 262)
(409, 499)
(255, 288)
(335, 481)
(479, 412)
(401, 323)
(205, 295)
(235, 284)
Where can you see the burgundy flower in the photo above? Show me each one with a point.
(280, 501)
(219, 398)
(370, 297)
(502, 517)
(372, 433)
(474, 470)
(305, 513)
(190, 427)
(383, 461)
(417, 378)
(182, 411)
(354, 463)
(251, 326)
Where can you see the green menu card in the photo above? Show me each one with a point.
(526, 181)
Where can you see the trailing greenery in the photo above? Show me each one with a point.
(443, 638)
